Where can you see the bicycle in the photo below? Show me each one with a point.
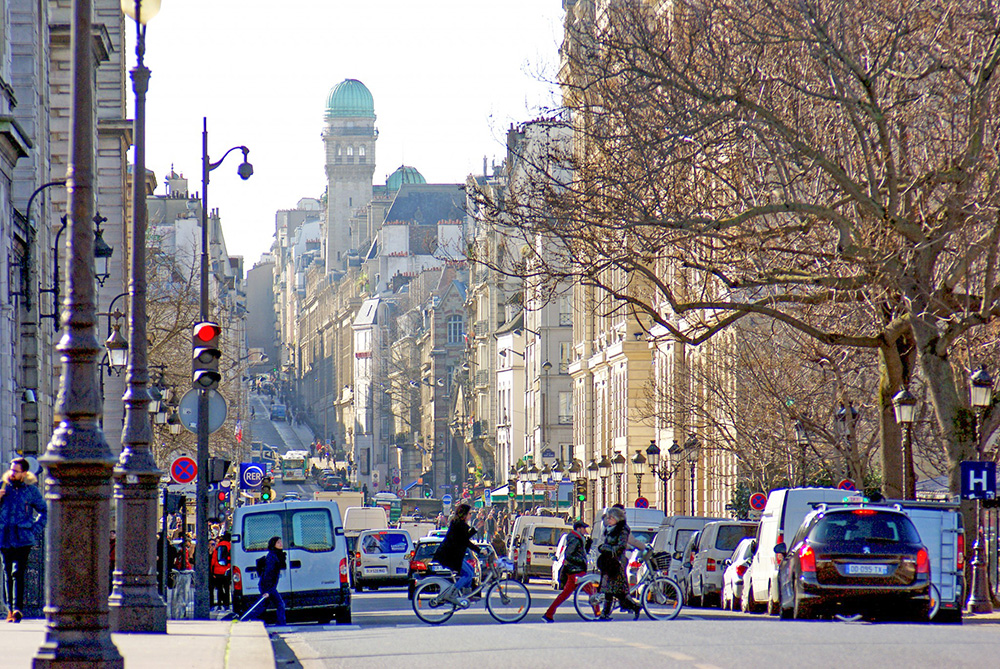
(659, 595)
(436, 599)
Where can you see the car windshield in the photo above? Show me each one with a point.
(546, 536)
(730, 536)
(864, 525)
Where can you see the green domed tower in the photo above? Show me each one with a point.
(349, 135)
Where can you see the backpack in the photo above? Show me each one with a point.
(261, 565)
(222, 555)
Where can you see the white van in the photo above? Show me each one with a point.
(716, 544)
(516, 549)
(315, 584)
(536, 550)
(783, 514)
(673, 537)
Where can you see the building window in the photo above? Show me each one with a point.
(566, 407)
(361, 151)
(455, 329)
(350, 150)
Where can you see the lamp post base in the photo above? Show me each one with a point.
(980, 600)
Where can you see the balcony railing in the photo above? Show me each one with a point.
(566, 419)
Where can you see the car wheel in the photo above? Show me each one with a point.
(803, 611)
(784, 612)
(343, 616)
(948, 616)
(748, 604)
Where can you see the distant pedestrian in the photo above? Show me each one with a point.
(22, 520)
(274, 562)
(574, 565)
(220, 572)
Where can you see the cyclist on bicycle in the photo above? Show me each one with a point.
(451, 552)
(613, 562)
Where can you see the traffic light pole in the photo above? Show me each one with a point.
(202, 597)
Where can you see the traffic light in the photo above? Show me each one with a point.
(205, 356)
(581, 490)
(266, 494)
(428, 492)
(223, 498)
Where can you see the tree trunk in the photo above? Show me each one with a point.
(890, 382)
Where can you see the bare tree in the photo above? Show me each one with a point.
(832, 166)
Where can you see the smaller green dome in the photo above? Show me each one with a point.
(350, 98)
(404, 174)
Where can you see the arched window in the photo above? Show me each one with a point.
(350, 151)
(455, 329)
(361, 151)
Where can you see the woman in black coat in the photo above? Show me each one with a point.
(451, 552)
(274, 562)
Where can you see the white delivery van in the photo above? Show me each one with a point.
(315, 584)
(536, 550)
(515, 546)
(783, 514)
(715, 547)
(673, 537)
(382, 558)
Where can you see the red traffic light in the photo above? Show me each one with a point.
(222, 496)
(206, 332)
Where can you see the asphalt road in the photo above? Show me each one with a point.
(386, 633)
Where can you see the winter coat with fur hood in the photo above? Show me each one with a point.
(21, 501)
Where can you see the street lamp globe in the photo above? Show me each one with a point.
(557, 471)
(691, 450)
(533, 474)
(653, 454)
(982, 388)
(546, 473)
(147, 9)
(604, 467)
(905, 406)
(117, 350)
(639, 463)
(593, 470)
(618, 464)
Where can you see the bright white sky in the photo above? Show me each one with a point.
(448, 77)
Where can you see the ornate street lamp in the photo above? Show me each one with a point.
(979, 600)
(691, 454)
(604, 466)
(905, 406)
(136, 605)
(78, 462)
(653, 456)
(618, 467)
(117, 351)
(638, 468)
(102, 253)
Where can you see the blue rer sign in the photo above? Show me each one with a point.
(251, 475)
(979, 480)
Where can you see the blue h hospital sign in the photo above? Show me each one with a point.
(979, 480)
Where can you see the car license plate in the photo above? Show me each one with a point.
(867, 569)
(375, 570)
(400, 570)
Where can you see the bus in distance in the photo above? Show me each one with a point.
(294, 465)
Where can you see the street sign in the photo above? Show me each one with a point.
(395, 480)
(183, 469)
(847, 484)
(446, 499)
(979, 480)
(251, 475)
(641, 503)
(187, 410)
(758, 501)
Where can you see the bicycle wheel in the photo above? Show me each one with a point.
(587, 600)
(662, 599)
(429, 606)
(508, 601)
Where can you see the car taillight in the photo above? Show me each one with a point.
(237, 579)
(343, 571)
(409, 556)
(710, 565)
(516, 553)
(633, 565)
(741, 569)
(418, 565)
(357, 556)
(527, 557)
(923, 562)
(807, 559)
(960, 558)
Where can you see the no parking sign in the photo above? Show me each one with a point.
(758, 501)
(183, 469)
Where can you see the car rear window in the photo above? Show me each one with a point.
(730, 536)
(258, 528)
(681, 538)
(385, 542)
(864, 525)
(546, 536)
(312, 530)
(425, 551)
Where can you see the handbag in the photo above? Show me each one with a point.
(608, 564)
(563, 576)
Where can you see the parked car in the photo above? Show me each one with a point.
(422, 563)
(716, 544)
(784, 512)
(382, 558)
(687, 561)
(866, 560)
(735, 568)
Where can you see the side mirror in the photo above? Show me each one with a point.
(727, 563)
(678, 555)
(781, 549)
(687, 565)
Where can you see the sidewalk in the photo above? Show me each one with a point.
(188, 643)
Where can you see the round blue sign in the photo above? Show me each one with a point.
(642, 503)
(446, 499)
(251, 475)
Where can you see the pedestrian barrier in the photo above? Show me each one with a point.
(180, 598)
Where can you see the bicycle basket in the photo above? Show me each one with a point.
(661, 561)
